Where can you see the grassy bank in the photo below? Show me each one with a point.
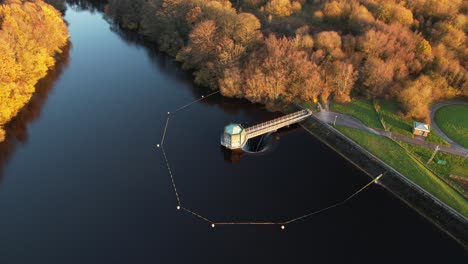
(450, 168)
(395, 156)
(360, 109)
(453, 120)
(387, 118)
(444, 164)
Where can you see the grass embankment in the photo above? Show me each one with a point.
(360, 109)
(450, 168)
(395, 156)
(387, 118)
(453, 120)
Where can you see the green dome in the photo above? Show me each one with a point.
(233, 129)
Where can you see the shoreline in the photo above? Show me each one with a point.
(441, 215)
(444, 217)
(24, 87)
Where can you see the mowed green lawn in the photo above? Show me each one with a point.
(395, 156)
(453, 120)
(363, 110)
(455, 165)
(443, 164)
(393, 121)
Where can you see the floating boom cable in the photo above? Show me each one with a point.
(214, 223)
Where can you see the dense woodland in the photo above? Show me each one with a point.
(414, 52)
(31, 33)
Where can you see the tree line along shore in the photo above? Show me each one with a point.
(31, 34)
(411, 52)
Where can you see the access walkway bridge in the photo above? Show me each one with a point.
(277, 123)
(237, 141)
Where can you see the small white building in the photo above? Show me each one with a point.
(421, 129)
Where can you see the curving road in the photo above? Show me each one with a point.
(345, 120)
(350, 121)
(434, 109)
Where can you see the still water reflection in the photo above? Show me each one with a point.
(17, 130)
(84, 182)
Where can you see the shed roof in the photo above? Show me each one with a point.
(233, 129)
(421, 126)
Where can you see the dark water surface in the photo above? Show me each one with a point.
(84, 183)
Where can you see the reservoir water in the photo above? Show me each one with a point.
(81, 179)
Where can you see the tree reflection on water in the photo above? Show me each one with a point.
(17, 129)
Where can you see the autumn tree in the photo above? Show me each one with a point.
(435, 8)
(341, 79)
(232, 82)
(279, 70)
(450, 36)
(246, 29)
(218, 44)
(304, 41)
(334, 11)
(328, 40)
(30, 34)
(377, 76)
(279, 8)
(416, 98)
(350, 15)
(360, 19)
(165, 22)
(392, 12)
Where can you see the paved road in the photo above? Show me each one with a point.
(344, 120)
(420, 142)
(350, 121)
(434, 109)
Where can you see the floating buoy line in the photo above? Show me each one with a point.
(213, 224)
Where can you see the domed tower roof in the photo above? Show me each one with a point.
(233, 129)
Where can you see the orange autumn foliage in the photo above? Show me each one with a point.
(30, 34)
(323, 49)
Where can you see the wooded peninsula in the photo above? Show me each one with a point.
(412, 52)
